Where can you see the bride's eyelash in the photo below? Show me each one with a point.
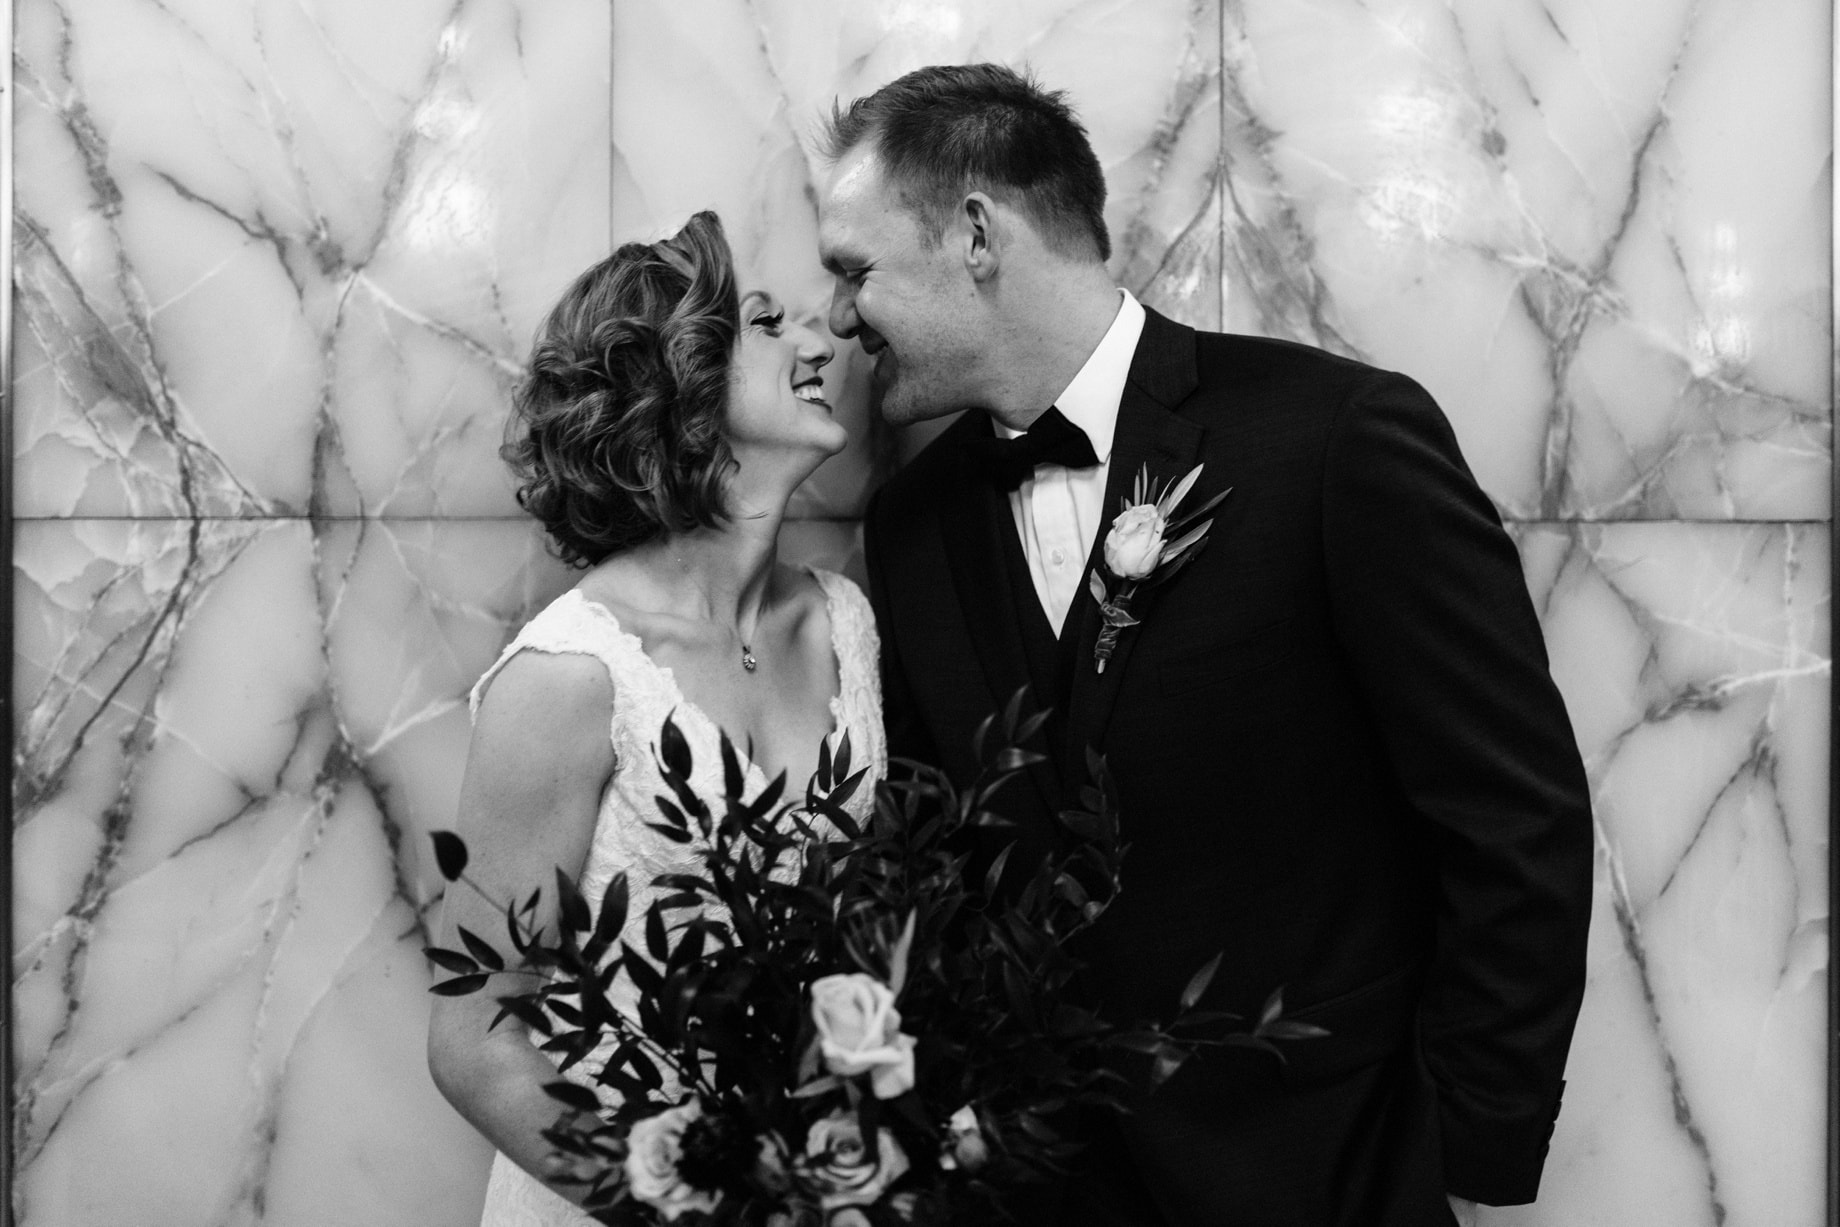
(769, 321)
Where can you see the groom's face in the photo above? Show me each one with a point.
(910, 304)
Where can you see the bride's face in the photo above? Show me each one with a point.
(776, 395)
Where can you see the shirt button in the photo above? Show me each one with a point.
(1058, 557)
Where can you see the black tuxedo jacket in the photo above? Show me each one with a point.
(1340, 758)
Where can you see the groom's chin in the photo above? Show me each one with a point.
(896, 405)
(887, 404)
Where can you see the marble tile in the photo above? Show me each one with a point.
(715, 103)
(235, 738)
(1695, 660)
(236, 735)
(286, 257)
(1622, 307)
(1600, 239)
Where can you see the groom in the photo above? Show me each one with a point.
(1339, 755)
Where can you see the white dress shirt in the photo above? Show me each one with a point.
(1058, 510)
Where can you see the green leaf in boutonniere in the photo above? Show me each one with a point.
(1145, 547)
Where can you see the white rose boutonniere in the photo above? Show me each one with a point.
(1135, 544)
(1143, 548)
(859, 1032)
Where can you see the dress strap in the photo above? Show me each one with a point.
(859, 678)
(569, 624)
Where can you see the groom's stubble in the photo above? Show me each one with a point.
(902, 296)
(925, 359)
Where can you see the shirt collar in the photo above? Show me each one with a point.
(1091, 400)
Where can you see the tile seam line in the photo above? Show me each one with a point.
(1760, 521)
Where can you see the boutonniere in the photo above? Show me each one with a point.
(1145, 548)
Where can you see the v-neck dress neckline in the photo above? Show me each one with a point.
(710, 729)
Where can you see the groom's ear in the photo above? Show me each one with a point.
(980, 236)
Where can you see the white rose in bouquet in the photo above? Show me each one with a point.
(654, 1148)
(1135, 544)
(965, 1145)
(841, 1166)
(859, 1031)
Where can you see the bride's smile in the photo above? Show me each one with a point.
(776, 393)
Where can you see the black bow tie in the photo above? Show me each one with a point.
(1051, 439)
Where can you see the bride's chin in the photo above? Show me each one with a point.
(819, 454)
(825, 443)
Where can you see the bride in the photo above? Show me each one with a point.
(663, 426)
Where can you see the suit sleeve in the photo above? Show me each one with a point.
(1430, 604)
(907, 737)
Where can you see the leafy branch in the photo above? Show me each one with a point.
(703, 1006)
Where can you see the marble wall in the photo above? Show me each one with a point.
(276, 262)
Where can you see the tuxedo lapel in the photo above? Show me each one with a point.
(975, 523)
(1149, 433)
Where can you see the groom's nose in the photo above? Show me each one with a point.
(843, 320)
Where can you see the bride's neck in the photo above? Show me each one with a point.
(723, 574)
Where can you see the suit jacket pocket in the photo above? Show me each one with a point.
(1197, 667)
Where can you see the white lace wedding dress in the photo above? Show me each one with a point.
(645, 692)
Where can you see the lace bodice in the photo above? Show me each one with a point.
(644, 693)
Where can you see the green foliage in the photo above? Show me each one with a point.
(980, 964)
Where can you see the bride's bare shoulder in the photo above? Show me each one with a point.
(546, 688)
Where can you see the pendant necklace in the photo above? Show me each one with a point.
(747, 650)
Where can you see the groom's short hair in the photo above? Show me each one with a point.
(949, 129)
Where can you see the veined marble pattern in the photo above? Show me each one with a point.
(237, 737)
(1540, 211)
(283, 258)
(1695, 661)
(278, 261)
(275, 259)
(716, 104)
(1599, 235)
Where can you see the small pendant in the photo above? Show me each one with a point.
(747, 658)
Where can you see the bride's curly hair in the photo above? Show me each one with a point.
(616, 434)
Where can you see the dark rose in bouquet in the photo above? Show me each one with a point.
(836, 1031)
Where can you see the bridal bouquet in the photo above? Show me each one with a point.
(829, 1031)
